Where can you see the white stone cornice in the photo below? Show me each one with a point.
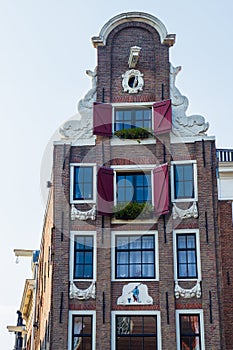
(185, 213)
(83, 215)
(168, 39)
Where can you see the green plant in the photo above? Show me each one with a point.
(133, 210)
(134, 133)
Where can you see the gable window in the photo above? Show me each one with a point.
(186, 254)
(82, 326)
(190, 331)
(184, 182)
(82, 183)
(126, 118)
(134, 187)
(83, 257)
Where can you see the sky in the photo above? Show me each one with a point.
(45, 49)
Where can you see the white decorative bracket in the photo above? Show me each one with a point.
(83, 215)
(134, 56)
(82, 294)
(188, 293)
(135, 294)
(185, 213)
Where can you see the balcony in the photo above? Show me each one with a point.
(225, 174)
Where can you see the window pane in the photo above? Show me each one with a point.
(122, 271)
(148, 257)
(122, 257)
(192, 270)
(79, 258)
(88, 271)
(182, 257)
(135, 271)
(188, 172)
(135, 243)
(122, 242)
(191, 256)
(148, 271)
(147, 242)
(181, 241)
(135, 257)
(88, 257)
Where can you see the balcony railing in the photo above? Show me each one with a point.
(225, 155)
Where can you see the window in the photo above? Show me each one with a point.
(81, 330)
(82, 183)
(184, 187)
(134, 256)
(133, 187)
(187, 254)
(133, 118)
(140, 331)
(190, 330)
(83, 257)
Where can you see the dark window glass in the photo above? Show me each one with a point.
(83, 183)
(135, 118)
(133, 187)
(186, 256)
(82, 332)
(136, 332)
(183, 181)
(83, 257)
(190, 338)
(135, 256)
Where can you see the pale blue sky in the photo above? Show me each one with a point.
(45, 49)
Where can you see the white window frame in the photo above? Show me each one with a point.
(133, 168)
(76, 201)
(197, 235)
(70, 326)
(113, 257)
(132, 313)
(72, 240)
(184, 162)
(130, 105)
(190, 312)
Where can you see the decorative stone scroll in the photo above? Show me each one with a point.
(83, 215)
(188, 293)
(185, 213)
(183, 125)
(82, 294)
(135, 294)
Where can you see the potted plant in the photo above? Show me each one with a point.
(133, 134)
(132, 210)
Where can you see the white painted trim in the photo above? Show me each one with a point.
(71, 264)
(77, 313)
(180, 162)
(82, 201)
(190, 312)
(129, 17)
(132, 233)
(138, 313)
(187, 231)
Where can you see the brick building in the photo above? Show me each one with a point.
(131, 255)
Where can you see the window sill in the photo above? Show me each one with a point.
(134, 221)
(116, 141)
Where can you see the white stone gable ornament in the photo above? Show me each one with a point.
(187, 293)
(82, 294)
(135, 294)
(132, 81)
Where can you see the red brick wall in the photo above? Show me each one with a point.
(113, 62)
(226, 243)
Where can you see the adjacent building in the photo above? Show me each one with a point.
(135, 250)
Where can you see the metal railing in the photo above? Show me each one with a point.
(225, 155)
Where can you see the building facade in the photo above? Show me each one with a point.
(131, 255)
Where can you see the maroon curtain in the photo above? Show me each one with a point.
(162, 117)
(102, 119)
(161, 190)
(105, 191)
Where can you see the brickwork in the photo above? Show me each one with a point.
(113, 62)
(226, 243)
